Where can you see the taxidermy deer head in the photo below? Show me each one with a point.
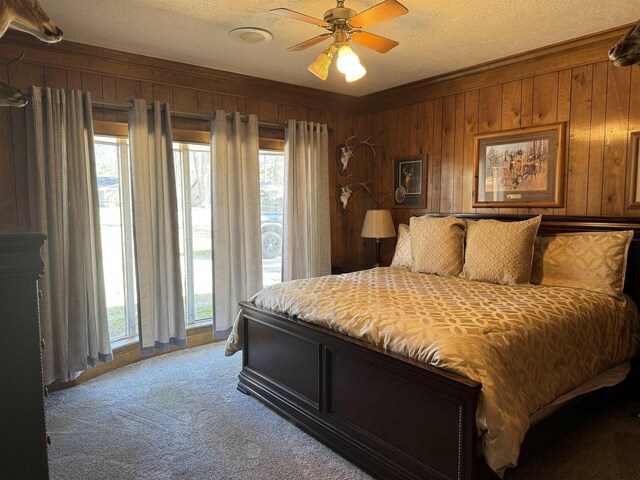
(28, 16)
(345, 191)
(627, 51)
(345, 152)
(11, 96)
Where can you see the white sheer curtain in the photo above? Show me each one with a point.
(63, 204)
(155, 227)
(237, 246)
(307, 229)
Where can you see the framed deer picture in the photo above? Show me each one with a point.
(520, 168)
(409, 181)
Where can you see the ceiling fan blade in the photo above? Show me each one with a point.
(285, 12)
(378, 13)
(309, 43)
(374, 42)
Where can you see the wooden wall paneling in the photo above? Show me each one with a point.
(74, 79)
(109, 93)
(19, 75)
(339, 228)
(350, 213)
(126, 90)
(378, 166)
(437, 155)
(545, 112)
(634, 126)
(470, 129)
(253, 106)
(425, 145)
(330, 119)
(57, 78)
(403, 148)
(596, 142)
(563, 114)
(578, 135)
(361, 197)
(616, 138)
(241, 105)
(458, 168)
(448, 153)
(217, 101)
(185, 100)
(490, 120)
(282, 113)
(91, 83)
(229, 103)
(8, 199)
(414, 148)
(205, 107)
(389, 138)
(372, 203)
(146, 91)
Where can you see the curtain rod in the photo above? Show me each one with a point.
(111, 105)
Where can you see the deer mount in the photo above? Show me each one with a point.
(344, 152)
(26, 16)
(344, 192)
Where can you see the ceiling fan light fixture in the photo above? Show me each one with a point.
(356, 73)
(347, 59)
(320, 66)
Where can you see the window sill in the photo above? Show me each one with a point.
(131, 344)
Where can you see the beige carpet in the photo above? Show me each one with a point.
(179, 416)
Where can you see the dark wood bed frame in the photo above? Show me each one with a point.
(394, 417)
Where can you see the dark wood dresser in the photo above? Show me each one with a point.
(23, 437)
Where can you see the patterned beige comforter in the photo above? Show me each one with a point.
(527, 345)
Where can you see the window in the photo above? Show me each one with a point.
(272, 214)
(193, 187)
(114, 199)
(193, 178)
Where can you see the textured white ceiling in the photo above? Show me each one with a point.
(436, 36)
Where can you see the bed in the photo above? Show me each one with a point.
(393, 415)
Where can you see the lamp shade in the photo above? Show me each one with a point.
(378, 224)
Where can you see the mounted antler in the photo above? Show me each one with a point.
(345, 191)
(11, 96)
(345, 152)
(28, 16)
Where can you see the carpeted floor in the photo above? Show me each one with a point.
(179, 416)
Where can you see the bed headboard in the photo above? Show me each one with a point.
(562, 224)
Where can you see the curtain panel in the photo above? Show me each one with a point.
(63, 204)
(155, 229)
(307, 226)
(235, 188)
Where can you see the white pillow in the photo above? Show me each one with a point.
(402, 256)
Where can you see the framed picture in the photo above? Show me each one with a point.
(520, 168)
(409, 181)
(634, 166)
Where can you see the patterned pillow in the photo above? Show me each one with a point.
(500, 252)
(402, 256)
(437, 245)
(595, 261)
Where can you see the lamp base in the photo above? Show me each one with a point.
(378, 248)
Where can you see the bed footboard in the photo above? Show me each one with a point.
(393, 417)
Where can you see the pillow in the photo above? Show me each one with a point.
(402, 256)
(437, 245)
(595, 261)
(500, 252)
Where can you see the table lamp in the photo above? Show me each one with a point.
(378, 224)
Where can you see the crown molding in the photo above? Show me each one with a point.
(580, 51)
(89, 58)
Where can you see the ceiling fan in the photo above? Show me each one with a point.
(344, 25)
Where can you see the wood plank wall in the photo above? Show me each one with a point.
(112, 75)
(571, 82)
(599, 101)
